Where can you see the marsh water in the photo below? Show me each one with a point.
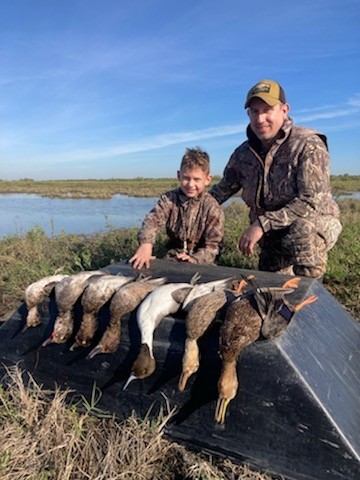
(21, 212)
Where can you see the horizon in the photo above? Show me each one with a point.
(100, 90)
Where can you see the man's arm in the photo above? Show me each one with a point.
(229, 184)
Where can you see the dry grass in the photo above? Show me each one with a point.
(43, 436)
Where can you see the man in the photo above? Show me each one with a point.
(283, 171)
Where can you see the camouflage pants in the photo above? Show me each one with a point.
(300, 249)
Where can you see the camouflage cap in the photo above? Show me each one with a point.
(268, 91)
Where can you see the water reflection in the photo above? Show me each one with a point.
(21, 212)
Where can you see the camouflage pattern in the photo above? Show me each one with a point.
(199, 220)
(288, 191)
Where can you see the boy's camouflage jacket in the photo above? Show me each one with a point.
(199, 222)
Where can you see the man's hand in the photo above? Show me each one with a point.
(250, 238)
(142, 256)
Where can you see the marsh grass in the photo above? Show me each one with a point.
(135, 187)
(342, 278)
(50, 435)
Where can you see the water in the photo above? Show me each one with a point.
(21, 212)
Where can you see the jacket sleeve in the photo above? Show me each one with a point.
(155, 220)
(313, 183)
(230, 182)
(213, 235)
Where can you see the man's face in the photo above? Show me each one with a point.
(193, 181)
(266, 121)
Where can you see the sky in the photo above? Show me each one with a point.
(119, 89)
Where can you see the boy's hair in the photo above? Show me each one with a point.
(195, 158)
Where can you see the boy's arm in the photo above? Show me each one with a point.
(152, 223)
(213, 234)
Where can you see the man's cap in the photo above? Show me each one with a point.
(268, 91)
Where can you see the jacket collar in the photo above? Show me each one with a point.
(186, 200)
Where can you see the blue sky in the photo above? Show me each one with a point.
(108, 88)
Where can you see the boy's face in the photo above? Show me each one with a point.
(193, 181)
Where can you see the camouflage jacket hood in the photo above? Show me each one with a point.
(290, 180)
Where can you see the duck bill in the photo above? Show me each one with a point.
(220, 411)
(73, 347)
(183, 380)
(47, 342)
(95, 351)
(129, 380)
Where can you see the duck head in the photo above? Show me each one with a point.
(86, 331)
(63, 329)
(33, 318)
(190, 362)
(143, 366)
(108, 344)
(275, 310)
(227, 388)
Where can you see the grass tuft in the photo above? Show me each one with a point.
(44, 436)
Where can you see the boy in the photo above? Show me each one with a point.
(194, 220)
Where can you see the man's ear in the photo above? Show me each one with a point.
(178, 175)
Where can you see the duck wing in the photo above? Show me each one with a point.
(241, 327)
(204, 288)
(203, 312)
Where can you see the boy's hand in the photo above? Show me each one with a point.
(142, 256)
(184, 257)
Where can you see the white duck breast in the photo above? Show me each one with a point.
(155, 307)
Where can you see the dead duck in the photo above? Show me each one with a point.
(95, 295)
(35, 293)
(124, 301)
(203, 311)
(67, 293)
(242, 326)
(164, 301)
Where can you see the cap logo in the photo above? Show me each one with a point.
(261, 87)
